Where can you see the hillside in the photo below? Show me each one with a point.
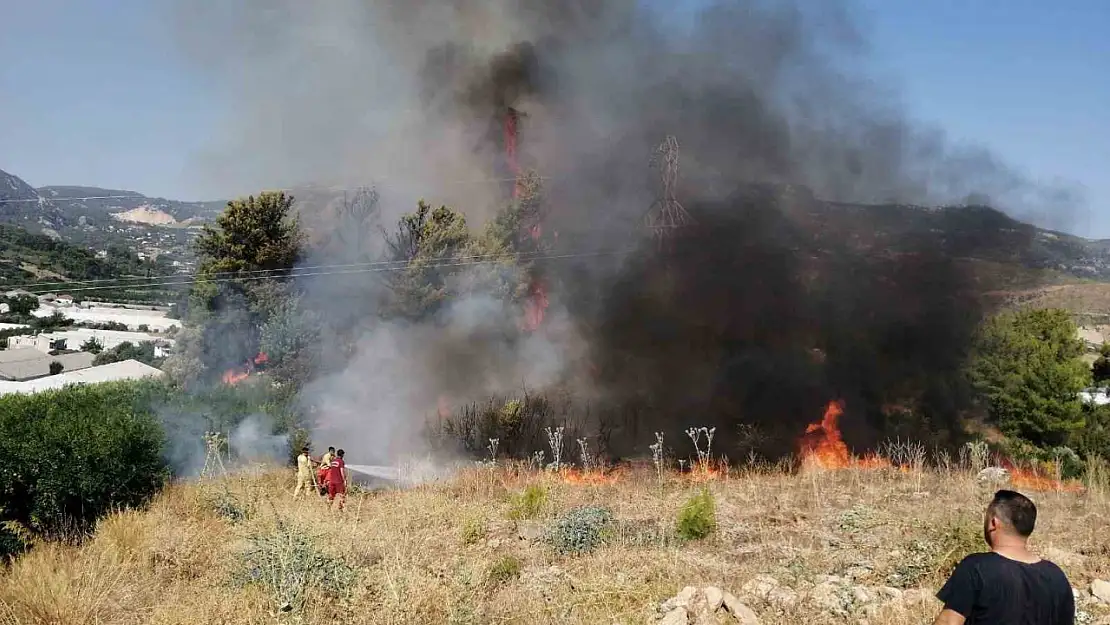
(1010, 256)
(27, 258)
(20, 204)
(96, 202)
(847, 546)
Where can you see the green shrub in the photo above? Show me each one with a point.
(580, 530)
(505, 569)
(229, 507)
(290, 565)
(698, 517)
(528, 504)
(934, 552)
(473, 531)
(77, 453)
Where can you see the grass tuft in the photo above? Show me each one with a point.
(698, 517)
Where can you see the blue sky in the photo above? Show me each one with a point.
(94, 92)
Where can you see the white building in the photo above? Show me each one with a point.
(108, 339)
(25, 363)
(132, 318)
(116, 371)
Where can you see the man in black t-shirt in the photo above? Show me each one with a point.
(1009, 585)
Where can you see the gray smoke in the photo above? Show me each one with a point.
(410, 94)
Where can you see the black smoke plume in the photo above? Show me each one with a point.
(766, 309)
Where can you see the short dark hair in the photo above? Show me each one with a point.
(1016, 510)
(331, 448)
(339, 453)
(305, 449)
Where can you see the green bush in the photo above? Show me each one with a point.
(698, 517)
(580, 530)
(290, 565)
(473, 532)
(504, 570)
(528, 504)
(76, 453)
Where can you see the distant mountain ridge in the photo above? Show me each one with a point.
(115, 202)
(979, 233)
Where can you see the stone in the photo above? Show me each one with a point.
(677, 616)
(741, 612)
(912, 596)
(890, 593)
(783, 597)
(530, 532)
(760, 587)
(714, 598)
(828, 597)
(1101, 590)
(685, 596)
(857, 572)
(862, 595)
(993, 475)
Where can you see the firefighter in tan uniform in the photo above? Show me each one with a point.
(305, 479)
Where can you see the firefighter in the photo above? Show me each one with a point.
(305, 479)
(337, 479)
(322, 473)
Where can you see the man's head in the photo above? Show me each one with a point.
(331, 450)
(339, 453)
(1009, 514)
(304, 450)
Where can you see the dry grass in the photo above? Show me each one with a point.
(449, 553)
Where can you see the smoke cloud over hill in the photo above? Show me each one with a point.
(747, 319)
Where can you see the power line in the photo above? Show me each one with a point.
(42, 199)
(348, 272)
(269, 273)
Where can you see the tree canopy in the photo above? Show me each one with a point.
(240, 283)
(1027, 367)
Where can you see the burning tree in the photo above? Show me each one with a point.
(226, 311)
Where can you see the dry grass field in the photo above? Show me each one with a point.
(820, 546)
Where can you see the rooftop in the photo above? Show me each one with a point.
(116, 371)
(25, 363)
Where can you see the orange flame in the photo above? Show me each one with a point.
(232, 377)
(593, 477)
(236, 375)
(1034, 480)
(535, 307)
(706, 472)
(821, 445)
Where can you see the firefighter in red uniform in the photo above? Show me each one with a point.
(337, 479)
(322, 472)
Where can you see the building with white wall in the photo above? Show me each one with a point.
(114, 372)
(76, 337)
(131, 317)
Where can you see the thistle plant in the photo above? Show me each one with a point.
(537, 460)
(584, 454)
(657, 455)
(555, 441)
(695, 435)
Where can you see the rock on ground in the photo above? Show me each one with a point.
(704, 606)
(1101, 590)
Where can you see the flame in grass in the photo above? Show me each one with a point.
(592, 477)
(706, 471)
(1032, 479)
(235, 375)
(232, 377)
(822, 445)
